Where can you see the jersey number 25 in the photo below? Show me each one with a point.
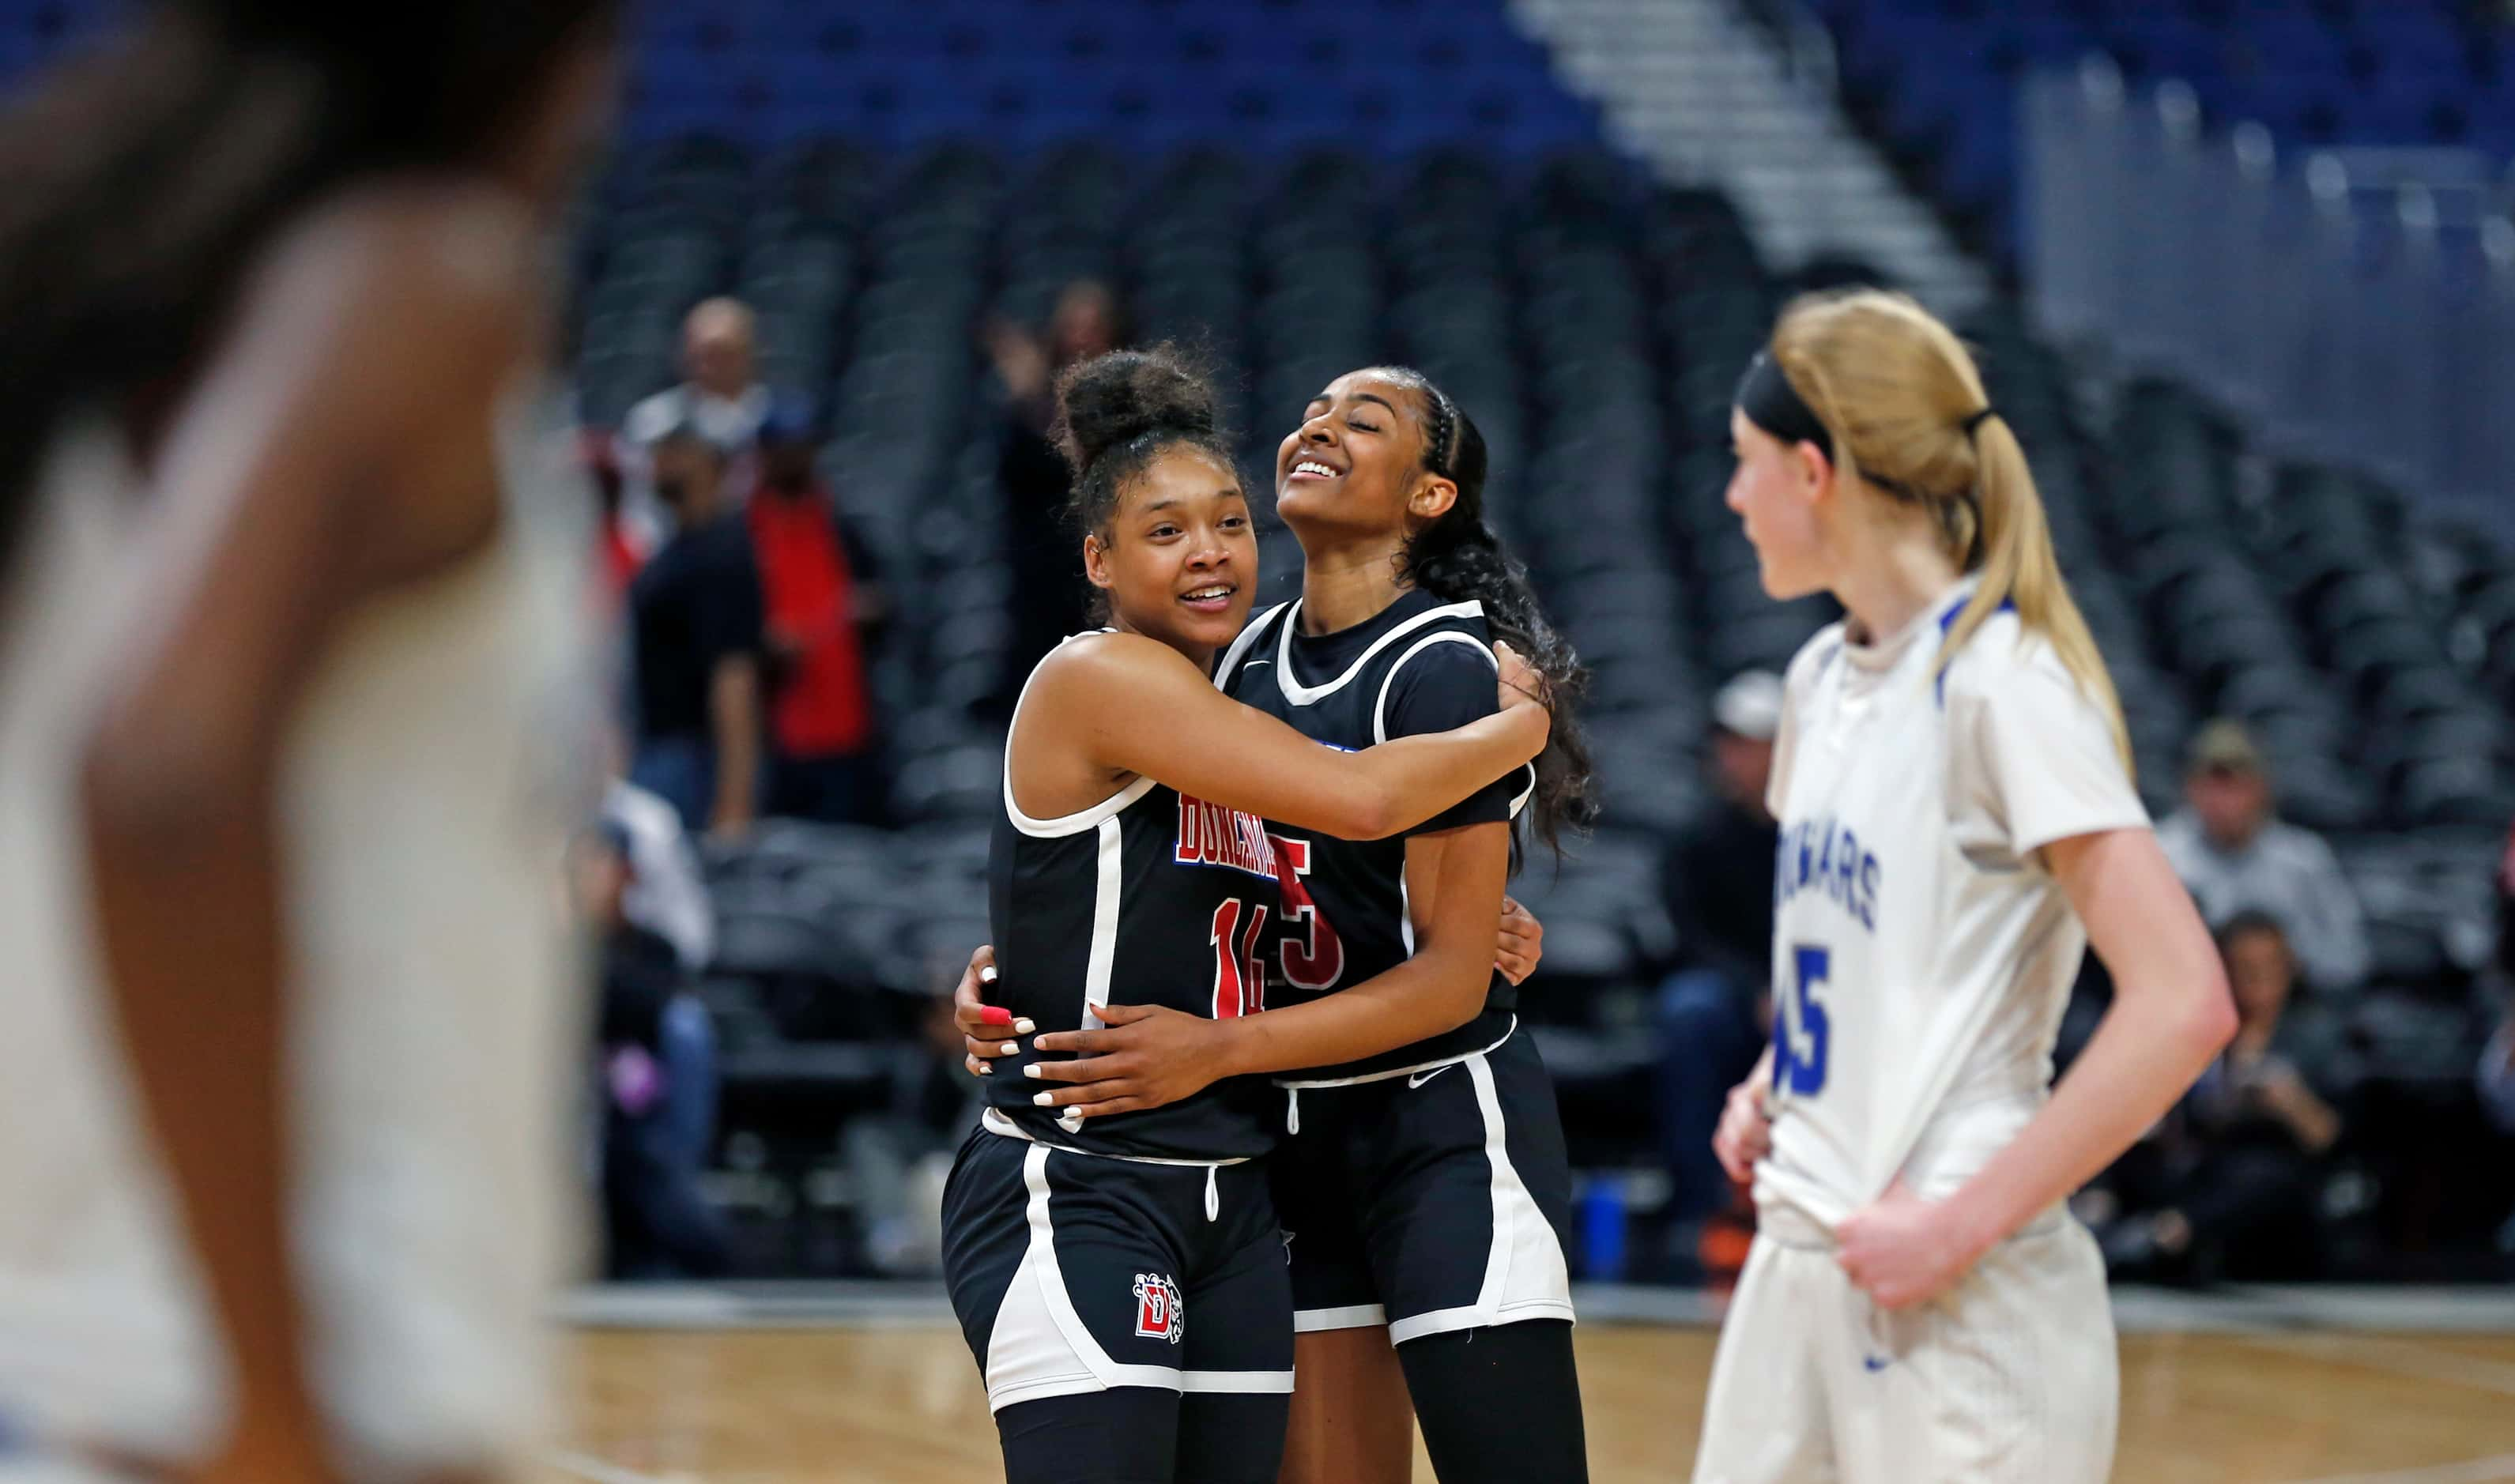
(1799, 1023)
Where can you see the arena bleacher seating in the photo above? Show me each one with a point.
(1302, 189)
(1936, 80)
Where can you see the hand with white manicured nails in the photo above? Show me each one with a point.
(983, 1025)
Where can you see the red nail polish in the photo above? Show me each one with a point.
(995, 1015)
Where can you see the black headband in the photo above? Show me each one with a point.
(1974, 422)
(1773, 405)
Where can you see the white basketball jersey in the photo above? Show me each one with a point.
(1921, 954)
(102, 1334)
(434, 768)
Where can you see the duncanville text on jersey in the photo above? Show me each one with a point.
(1210, 835)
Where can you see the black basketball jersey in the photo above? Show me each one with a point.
(1417, 666)
(1148, 897)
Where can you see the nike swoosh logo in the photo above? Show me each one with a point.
(1875, 1363)
(1421, 1078)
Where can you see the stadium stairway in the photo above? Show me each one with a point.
(1707, 96)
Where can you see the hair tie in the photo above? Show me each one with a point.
(1975, 422)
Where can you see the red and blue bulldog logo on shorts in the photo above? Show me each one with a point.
(1159, 1313)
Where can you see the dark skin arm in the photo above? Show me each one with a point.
(1520, 943)
(299, 486)
(1081, 733)
(1150, 1055)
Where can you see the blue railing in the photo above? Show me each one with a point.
(2354, 305)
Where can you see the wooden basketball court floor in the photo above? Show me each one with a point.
(875, 1386)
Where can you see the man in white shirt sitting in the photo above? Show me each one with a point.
(2236, 854)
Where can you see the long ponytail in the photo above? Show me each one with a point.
(1457, 559)
(1905, 404)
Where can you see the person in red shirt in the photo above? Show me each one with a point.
(824, 602)
(617, 554)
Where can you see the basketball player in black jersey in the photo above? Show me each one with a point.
(1122, 1281)
(1424, 1191)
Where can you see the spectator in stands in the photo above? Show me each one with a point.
(720, 399)
(2236, 855)
(1714, 1009)
(1046, 577)
(656, 1221)
(824, 602)
(2227, 1187)
(667, 892)
(695, 634)
(666, 895)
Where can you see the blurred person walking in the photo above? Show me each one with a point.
(285, 762)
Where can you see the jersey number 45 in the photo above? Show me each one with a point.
(1799, 1023)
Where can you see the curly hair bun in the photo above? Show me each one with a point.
(1111, 400)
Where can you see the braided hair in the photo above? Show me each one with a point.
(1457, 558)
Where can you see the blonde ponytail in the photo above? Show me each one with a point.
(1905, 404)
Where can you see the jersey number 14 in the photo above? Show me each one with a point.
(1799, 1023)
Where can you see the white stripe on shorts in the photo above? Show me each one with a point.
(1525, 1275)
(1039, 1346)
(1353, 1316)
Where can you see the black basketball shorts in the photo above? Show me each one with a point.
(1428, 1199)
(1074, 1272)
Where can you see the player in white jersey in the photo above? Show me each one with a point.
(285, 664)
(1958, 823)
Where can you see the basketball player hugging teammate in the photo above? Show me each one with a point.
(1119, 1270)
(1957, 824)
(1421, 1183)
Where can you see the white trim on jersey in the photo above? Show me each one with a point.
(1379, 733)
(1105, 901)
(1241, 647)
(1104, 812)
(1303, 695)
(1380, 706)
(1039, 1346)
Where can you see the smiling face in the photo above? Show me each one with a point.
(1777, 492)
(1355, 464)
(1179, 555)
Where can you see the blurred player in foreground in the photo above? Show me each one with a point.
(282, 800)
(1958, 823)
